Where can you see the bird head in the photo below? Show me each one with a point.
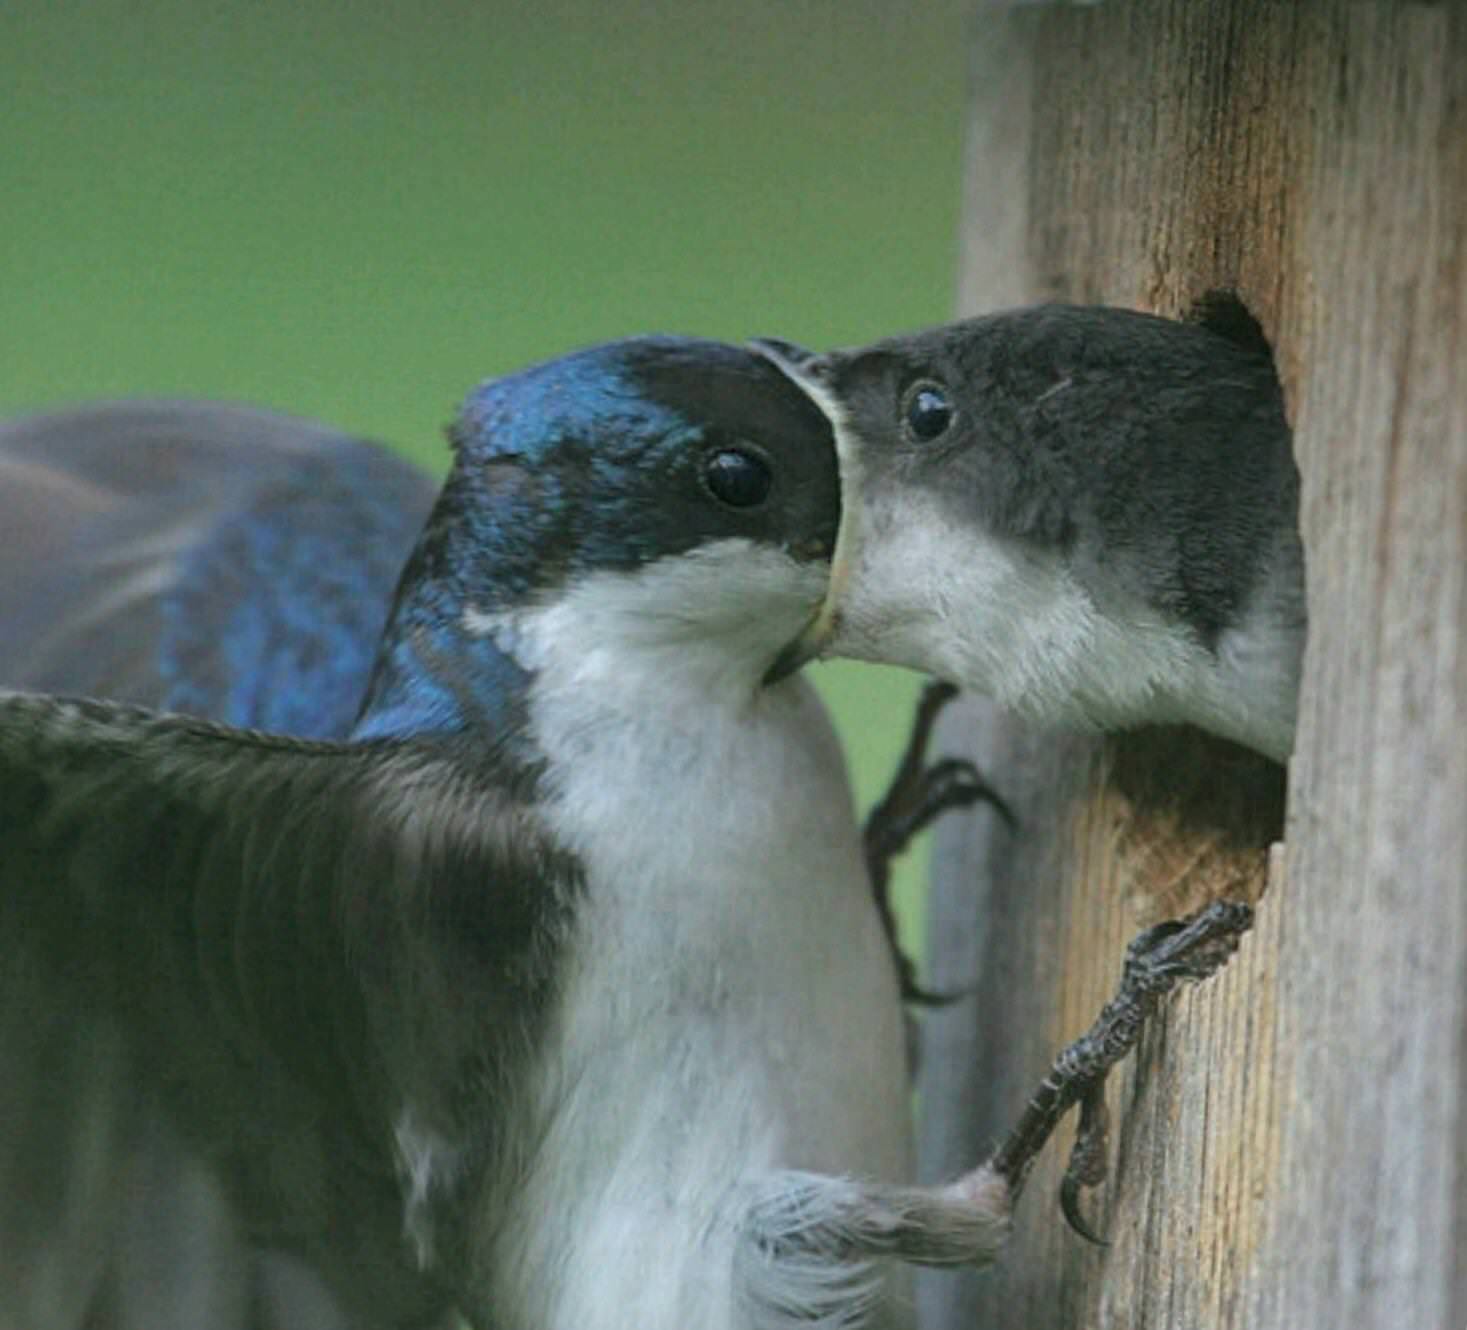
(1065, 507)
(667, 496)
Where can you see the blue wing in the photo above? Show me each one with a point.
(238, 565)
(218, 560)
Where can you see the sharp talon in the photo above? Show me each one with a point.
(1069, 1199)
(1087, 1158)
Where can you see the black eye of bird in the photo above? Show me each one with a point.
(927, 411)
(737, 478)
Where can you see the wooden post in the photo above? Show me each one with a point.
(1289, 1146)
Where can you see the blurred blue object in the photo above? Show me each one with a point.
(224, 561)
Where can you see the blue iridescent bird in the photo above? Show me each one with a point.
(544, 987)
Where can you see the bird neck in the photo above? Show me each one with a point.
(675, 630)
(433, 674)
(432, 678)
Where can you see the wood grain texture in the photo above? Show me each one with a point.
(1290, 1144)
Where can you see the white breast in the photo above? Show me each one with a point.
(1014, 623)
(730, 1006)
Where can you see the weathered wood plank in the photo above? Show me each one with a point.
(1291, 1145)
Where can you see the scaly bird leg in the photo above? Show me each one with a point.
(811, 1238)
(918, 794)
(1156, 962)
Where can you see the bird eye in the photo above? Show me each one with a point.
(927, 410)
(737, 478)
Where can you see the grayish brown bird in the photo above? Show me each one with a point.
(1087, 514)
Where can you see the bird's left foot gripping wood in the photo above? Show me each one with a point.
(1165, 955)
(965, 1222)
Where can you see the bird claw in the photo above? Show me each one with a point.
(918, 795)
(1185, 949)
(1087, 1160)
(1156, 962)
(920, 792)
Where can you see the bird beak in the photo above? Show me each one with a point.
(811, 374)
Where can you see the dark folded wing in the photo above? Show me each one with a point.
(201, 557)
(229, 965)
(231, 562)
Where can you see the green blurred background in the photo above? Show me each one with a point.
(356, 211)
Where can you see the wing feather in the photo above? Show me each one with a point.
(201, 557)
(260, 949)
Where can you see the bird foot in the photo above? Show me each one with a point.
(1157, 961)
(801, 1225)
(919, 793)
